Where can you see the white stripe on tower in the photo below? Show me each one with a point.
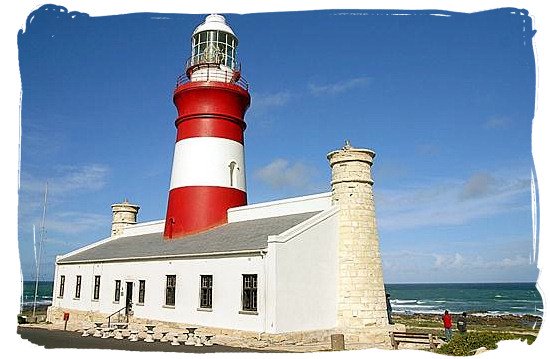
(208, 161)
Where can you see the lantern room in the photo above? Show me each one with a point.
(214, 48)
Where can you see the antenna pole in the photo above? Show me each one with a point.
(42, 230)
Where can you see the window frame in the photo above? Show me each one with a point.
(97, 287)
(206, 283)
(249, 294)
(118, 284)
(78, 287)
(170, 290)
(226, 45)
(61, 286)
(141, 292)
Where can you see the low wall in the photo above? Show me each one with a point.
(369, 338)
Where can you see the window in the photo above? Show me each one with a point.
(78, 285)
(232, 174)
(141, 294)
(170, 290)
(214, 46)
(117, 291)
(61, 286)
(96, 287)
(250, 292)
(206, 291)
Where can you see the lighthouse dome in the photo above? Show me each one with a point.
(214, 44)
(214, 22)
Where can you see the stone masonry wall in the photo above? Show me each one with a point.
(362, 311)
(124, 214)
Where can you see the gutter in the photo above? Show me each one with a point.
(173, 256)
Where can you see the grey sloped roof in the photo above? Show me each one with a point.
(237, 236)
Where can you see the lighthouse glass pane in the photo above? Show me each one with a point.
(61, 286)
(96, 287)
(214, 46)
(206, 291)
(78, 286)
(250, 292)
(141, 296)
(170, 290)
(117, 291)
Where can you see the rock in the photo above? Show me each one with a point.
(480, 350)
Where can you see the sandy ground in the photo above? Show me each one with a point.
(68, 339)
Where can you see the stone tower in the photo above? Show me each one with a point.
(362, 314)
(124, 214)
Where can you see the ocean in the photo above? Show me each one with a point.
(43, 295)
(474, 298)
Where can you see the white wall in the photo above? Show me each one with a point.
(204, 161)
(304, 263)
(144, 228)
(297, 283)
(226, 298)
(304, 204)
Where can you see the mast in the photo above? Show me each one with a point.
(42, 231)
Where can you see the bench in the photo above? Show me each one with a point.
(416, 338)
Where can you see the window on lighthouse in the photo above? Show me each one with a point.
(233, 169)
(214, 46)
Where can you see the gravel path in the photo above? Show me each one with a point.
(68, 339)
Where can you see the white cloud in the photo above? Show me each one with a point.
(66, 185)
(339, 87)
(67, 180)
(455, 261)
(497, 122)
(281, 173)
(75, 222)
(451, 202)
(410, 261)
(478, 185)
(263, 101)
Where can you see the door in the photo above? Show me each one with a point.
(129, 293)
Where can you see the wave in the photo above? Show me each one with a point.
(418, 306)
(41, 302)
(403, 301)
(410, 312)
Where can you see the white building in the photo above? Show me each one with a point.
(241, 275)
(302, 265)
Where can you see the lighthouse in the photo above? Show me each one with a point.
(294, 270)
(208, 173)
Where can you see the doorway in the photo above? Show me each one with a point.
(129, 296)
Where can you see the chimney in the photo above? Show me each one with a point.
(124, 215)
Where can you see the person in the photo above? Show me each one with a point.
(448, 325)
(388, 308)
(461, 323)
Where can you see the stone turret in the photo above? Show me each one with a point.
(124, 215)
(362, 314)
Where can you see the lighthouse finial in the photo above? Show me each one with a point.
(347, 145)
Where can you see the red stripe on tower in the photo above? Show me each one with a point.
(208, 174)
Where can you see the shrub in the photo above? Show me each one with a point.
(466, 344)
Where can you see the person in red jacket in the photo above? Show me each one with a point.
(448, 325)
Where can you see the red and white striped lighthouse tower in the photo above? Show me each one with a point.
(208, 174)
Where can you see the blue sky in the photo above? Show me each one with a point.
(446, 102)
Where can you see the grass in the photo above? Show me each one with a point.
(482, 331)
(467, 344)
